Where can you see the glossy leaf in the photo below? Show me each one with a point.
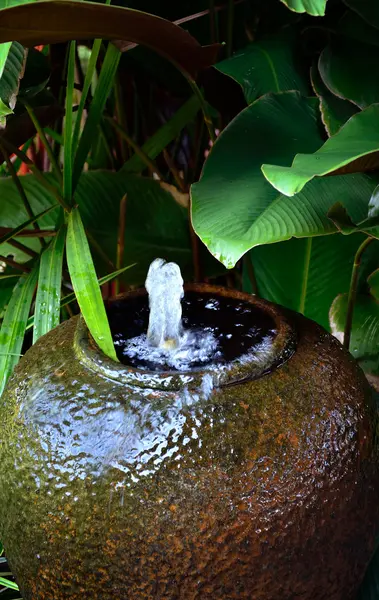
(10, 79)
(47, 310)
(234, 208)
(347, 69)
(305, 274)
(164, 136)
(367, 9)
(56, 21)
(7, 284)
(269, 65)
(14, 324)
(85, 284)
(357, 138)
(365, 331)
(8, 584)
(312, 7)
(4, 51)
(334, 111)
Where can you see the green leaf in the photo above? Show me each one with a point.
(86, 286)
(367, 9)
(12, 72)
(47, 310)
(7, 283)
(67, 136)
(14, 323)
(103, 89)
(355, 28)
(4, 51)
(312, 7)
(347, 68)
(305, 274)
(71, 297)
(365, 331)
(234, 208)
(164, 136)
(8, 584)
(357, 138)
(23, 226)
(334, 111)
(270, 65)
(57, 21)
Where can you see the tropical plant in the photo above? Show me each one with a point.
(120, 142)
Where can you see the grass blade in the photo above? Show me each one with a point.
(67, 136)
(10, 585)
(86, 87)
(47, 311)
(23, 226)
(103, 89)
(71, 297)
(86, 286)
(14, 325)
(164, 136)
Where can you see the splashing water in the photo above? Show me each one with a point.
(166, 342)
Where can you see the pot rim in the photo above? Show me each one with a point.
(249, 366)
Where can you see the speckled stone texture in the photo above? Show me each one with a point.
(265, 490)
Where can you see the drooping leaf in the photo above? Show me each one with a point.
(367, 9)
(86, 286)
(14, 324)
(166, 134)
(269, 65)
(56, 21)
(305, 274)
(47, 310)
(234, 208)
(352, 26)
(357, 138)
(365, 330)
(334, 111)
(10, 79)
(347, 69)
(312, 7)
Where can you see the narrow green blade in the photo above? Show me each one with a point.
(103, 89)
(23, 226)
(14, 324)
(8, 584)
(48, 298)
(86, 286)
(67, 149)
(71, 297)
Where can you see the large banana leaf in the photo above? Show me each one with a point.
(269, 65)
(357, 138)
(305, 275)
(11, 74)
(234, 208)
(312, 7)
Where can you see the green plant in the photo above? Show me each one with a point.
(105, 162)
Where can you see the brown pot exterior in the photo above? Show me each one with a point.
(262, 490)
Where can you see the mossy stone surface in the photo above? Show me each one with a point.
(263, 490)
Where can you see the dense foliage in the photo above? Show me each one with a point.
(120, 142)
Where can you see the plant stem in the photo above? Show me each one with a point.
(150, 164)
(212, 20)
(304, 285)
(353, 291)
(207, 118)
(23, 248)
(67, 133)
(14, 264)
(48, 148)
(251, 273)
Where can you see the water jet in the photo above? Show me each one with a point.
(231, 453)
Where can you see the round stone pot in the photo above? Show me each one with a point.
(254, 479)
